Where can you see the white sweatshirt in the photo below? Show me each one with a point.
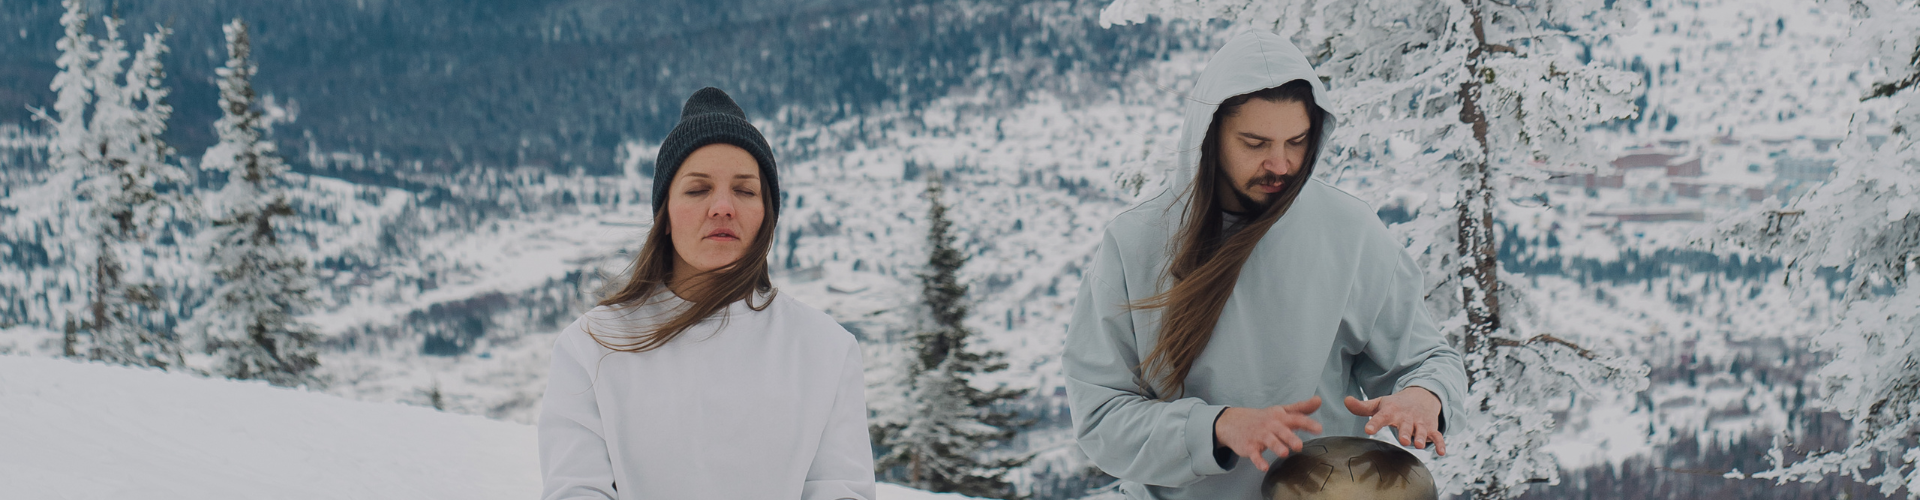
(767, 404)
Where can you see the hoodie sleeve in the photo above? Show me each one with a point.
(1127, 432)
(1404, 345)
(574, 463)
(843, 466)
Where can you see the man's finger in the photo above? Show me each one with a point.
(1291, 442)
(1303, 423)
(1419, 436)
(1259, 459)
(1285, 443)
(1362, 408)
(1310, 405)
(1440, 443)
(1274, 445)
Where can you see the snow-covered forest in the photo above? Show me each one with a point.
(1711, 199)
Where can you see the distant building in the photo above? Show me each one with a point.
(1643, 160)
(1689, 168)
(1589, 181)
(1687, 189)
(1652, 214)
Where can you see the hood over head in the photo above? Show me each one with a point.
(1252, 61)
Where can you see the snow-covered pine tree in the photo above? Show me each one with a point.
(250, 323)
(1458, 107)
(128, 120)
(51, 218)
(942, 437)
(150, 197)
(103, 202)
(1867, 218)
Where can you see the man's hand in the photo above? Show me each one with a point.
(1413, 413)
(1251, 431)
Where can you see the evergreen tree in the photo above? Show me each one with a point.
(103, 204)
(50, 218)
(946, 426)
(250, 322)
(1867, 218)
(1463, 102)
(128, 120)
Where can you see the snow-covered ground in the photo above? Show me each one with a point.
(89, 430)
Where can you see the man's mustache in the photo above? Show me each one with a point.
(1270, 178)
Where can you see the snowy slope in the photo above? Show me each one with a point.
(84, 430)
(87, 430)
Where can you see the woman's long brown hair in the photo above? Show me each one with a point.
(705, 293)
(1206, 265)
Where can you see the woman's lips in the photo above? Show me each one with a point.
(723, 234)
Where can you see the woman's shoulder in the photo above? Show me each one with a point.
(602, 321)
(806, 319)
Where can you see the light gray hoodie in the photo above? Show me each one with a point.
(1328, 304)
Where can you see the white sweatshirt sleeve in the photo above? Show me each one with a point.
(1116, 419)
(843, 466)
(574, 463)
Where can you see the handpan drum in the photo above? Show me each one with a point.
(1349, 468)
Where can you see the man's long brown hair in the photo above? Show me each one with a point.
(705, 293)
(1205, 264)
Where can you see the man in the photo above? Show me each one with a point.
(1218, 313)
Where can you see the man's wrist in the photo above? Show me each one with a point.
(1429, 392)
(1440, 413)
(1222, 455)
(1216, 427)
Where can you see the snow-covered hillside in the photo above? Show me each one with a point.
(90, 430)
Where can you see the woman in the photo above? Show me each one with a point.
(696, 379)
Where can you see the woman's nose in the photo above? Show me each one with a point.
(722, 205)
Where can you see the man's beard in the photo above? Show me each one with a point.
(1255, 207)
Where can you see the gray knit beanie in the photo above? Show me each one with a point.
(710, 117)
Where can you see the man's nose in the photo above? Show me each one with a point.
(1278, 163)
